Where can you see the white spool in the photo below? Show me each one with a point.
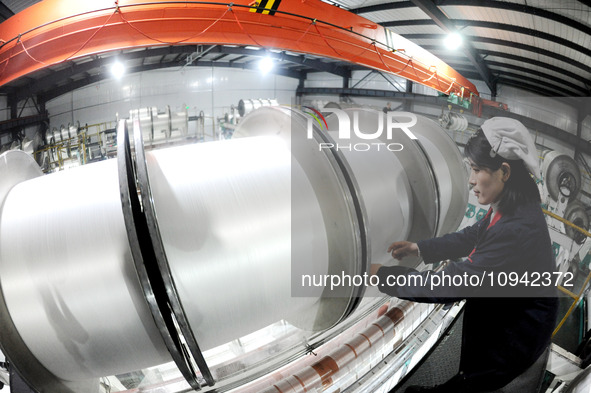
(74, 296)
(382, 180)
(225, 215)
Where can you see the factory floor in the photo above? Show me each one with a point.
(441, 363)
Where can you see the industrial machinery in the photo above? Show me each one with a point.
(21, 142)
(64, 148)
(453, 121)
(227, 124)
(77, 145)
(560, 185)
(245, 106)
(562, 182)
(161, 126)
(188, 262)
(562, 179)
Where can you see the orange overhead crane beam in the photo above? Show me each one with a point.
(54, 31)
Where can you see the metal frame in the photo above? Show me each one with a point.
(60, 82)
(5, 12)
(526, 9)
(511, 44)
(173, 300)
(433, 11)
(360, 213)
(150, 261)
(431, 170)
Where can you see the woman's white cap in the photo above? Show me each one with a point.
(512, 141)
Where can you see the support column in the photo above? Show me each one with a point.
(408, 102)
(346, 79)
(13, 104)
(581, 115)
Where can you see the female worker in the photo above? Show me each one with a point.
(506, 327)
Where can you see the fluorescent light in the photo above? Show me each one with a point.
(453, 41)
(266, 64)
(117, 69)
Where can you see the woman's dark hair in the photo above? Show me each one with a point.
(519, 189)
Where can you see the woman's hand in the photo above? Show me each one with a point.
(402, 249)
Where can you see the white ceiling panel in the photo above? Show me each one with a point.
(552, 75)
(518, 19)
(544, 59)
(350, 4)
(402, 30)
(395, 15)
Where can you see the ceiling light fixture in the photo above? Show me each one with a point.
(453, 41)
(117, 70)
(266, 64)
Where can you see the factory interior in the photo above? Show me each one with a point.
(192, 192)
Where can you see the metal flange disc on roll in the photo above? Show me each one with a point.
(576, 213)
(561, 175)
(420, 175)
(332, 195)
(382, 179)
(425, 177)
(450, 172)
(410, 164)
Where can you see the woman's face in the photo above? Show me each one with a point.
(487, 184)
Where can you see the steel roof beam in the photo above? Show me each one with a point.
(520, 83)
(382, 7)
(5, 12)
(73, 85)
(495, 26)
(234, 60)
(527, 86)
(508, 6)
(580, 90)
(447, 25)
(525, 60)
(51, 82)
(20, 122)
(535, 88)
(316, 64)
(511, 44)
(217, 58)
(550, 89)
(585, 89)
(526, 9)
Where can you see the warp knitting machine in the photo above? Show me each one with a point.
(168, 243)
